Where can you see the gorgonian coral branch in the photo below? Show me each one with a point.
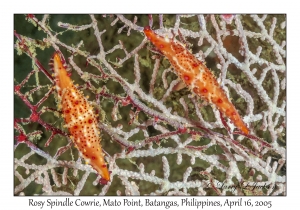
(146, 116)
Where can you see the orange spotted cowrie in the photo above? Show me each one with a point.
(79, 117)
(196, 76)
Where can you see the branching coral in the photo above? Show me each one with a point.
(158, 140)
